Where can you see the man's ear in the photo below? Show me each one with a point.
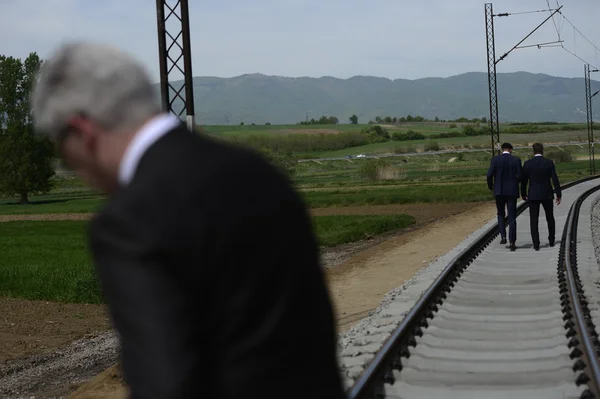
(86, 132)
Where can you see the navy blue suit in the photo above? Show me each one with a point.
(503, 179)
(540, 173)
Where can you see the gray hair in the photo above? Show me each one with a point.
(97, 81)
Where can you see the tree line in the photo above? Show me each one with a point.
(409, 118)
(25, 157)
(324, 120)
(332, 120)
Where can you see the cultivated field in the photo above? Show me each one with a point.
(368, 214)
(309, 141)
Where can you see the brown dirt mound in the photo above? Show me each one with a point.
(108, 384)
(34, 327)
(49, 216)
(358, 285)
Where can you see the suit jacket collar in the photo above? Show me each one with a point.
(149, 134)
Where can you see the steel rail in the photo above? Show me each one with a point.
(588, 339)
(379, 370)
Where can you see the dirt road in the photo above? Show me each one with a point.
(358, 285)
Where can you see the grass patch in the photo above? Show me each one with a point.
(47, 261)
(402, 195)
(57, 203)
(388, 147)
(342, 229)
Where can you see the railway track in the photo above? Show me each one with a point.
(498, 324)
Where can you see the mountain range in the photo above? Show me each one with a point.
(257, 98)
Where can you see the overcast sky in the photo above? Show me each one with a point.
(341, 38)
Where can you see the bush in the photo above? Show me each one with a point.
(471, 131)
(376, 134)
(408, 135)
(571, 128)
(447, 135)
(461, 156)
(404, 150)
(559, 156)
(370, 168)
(285, 162)
(432, 146)
(528, 129)
(300, 143)
(452, 126)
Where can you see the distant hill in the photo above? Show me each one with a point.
(256, 98)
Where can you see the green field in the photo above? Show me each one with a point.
(46, 260)
(60, 203)
(342, 229)
(49, 260)
(427, 128)
(274, 130)
(424, 169)
(390, 147)
(466, 192)
(424, 178)
(332, 141)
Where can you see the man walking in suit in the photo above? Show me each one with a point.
(205, 254)
(503, 178)
(540, 173)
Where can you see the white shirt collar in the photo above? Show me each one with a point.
(149, 134)
(505, 152)
(537, 155)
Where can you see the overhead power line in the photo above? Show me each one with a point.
(553, 21)
(559, 28)
(506, 14)
(530, 33)
(581, 59)
(578, 31)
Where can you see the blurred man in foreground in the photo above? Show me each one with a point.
(205, 254)
(503, 178)
(540, 173)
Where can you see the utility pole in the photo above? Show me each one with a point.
(590, 116)
(173, 51)
(492, 83)
(492, 62)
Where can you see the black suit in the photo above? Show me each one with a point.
(541, 175)
(211, 272)
(503, 178)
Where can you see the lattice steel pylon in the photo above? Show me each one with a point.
(492, 84)
(175, 56)
(590, 120)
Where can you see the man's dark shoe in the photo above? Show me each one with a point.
(513, 246)
(551, 243)
(536, 247)
(503, 240)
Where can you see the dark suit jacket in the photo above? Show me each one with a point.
(212, 276)
(504, 175)
(539, 172)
